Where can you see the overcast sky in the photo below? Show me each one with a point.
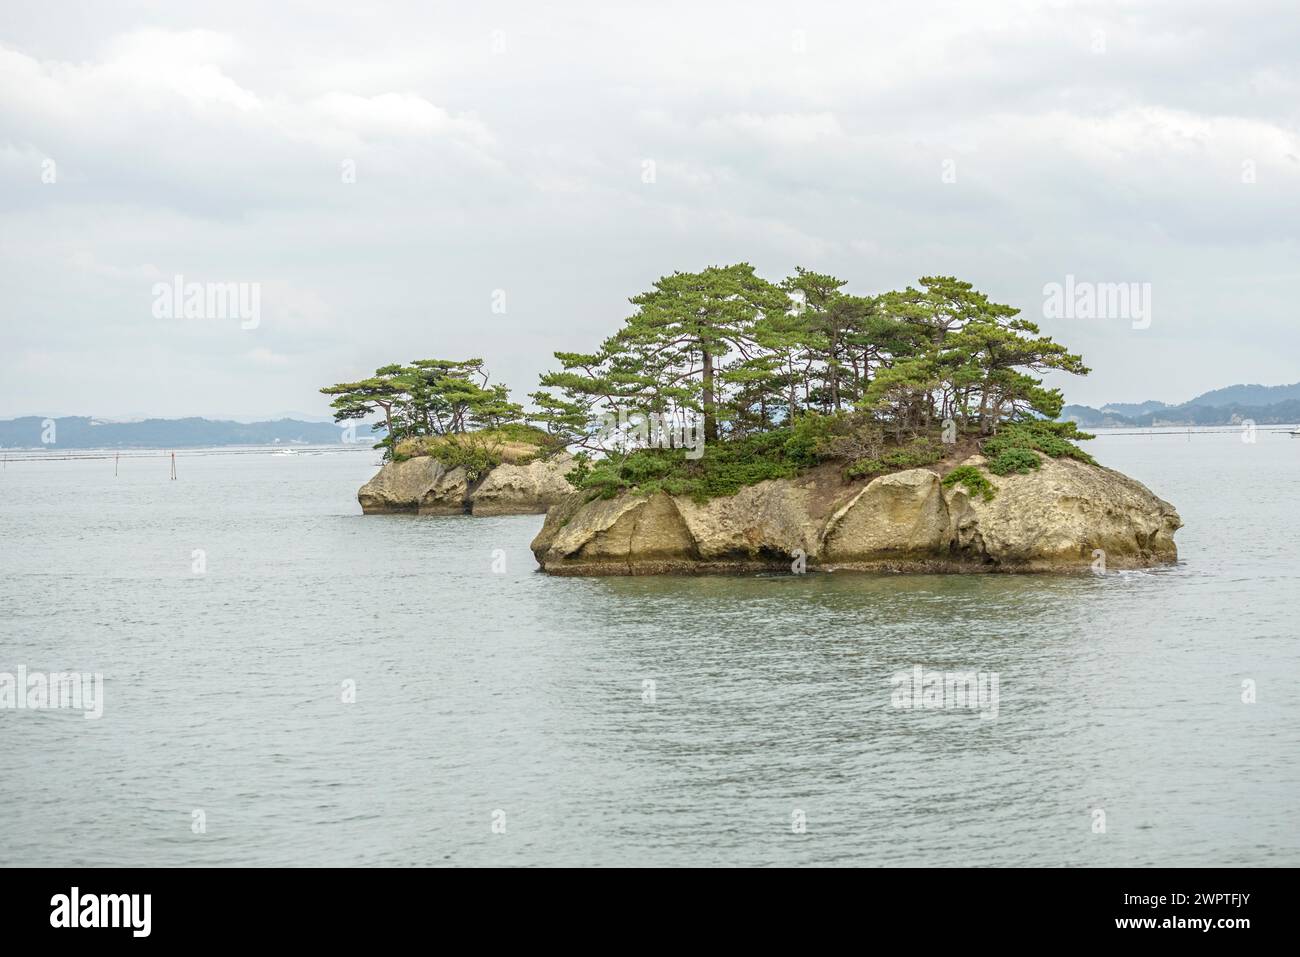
(503, 150)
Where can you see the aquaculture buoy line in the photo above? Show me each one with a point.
(1211, 430)
(34, 455)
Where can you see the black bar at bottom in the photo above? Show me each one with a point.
(929, 907)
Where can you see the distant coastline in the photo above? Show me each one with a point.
(85, 432)
(1283, 413)
(1263, 405)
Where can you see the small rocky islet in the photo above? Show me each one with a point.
(424, 485)
(1063, 516)
(735, 424)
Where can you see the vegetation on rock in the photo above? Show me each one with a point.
(972, 479)
(1017, 460)
(479, 452)
(428, 397)
(723, 469)
(1015, 447)
(783, 376)
(917, 453)
(770, 379)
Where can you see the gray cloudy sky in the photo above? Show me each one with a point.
(503, 147)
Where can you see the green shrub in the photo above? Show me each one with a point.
(477, 458)
(724, 468)
(808, 435)
(1054, 439)
(857, 437)
(479, 452)
(1014, 460)
(520, 432)
(973, 479)
(784, 452)
(915, 454)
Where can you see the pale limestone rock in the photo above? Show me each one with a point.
(447, 495)
(424, 486)
(400, 486)
(762, 526)
(760, 523)
(516, 489)
(1053, 519)
(1061, 513)
(902, 515)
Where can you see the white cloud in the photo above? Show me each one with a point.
(395, 115)
(779, 129)
(265, 357)
(210, 141)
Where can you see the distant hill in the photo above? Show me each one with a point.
(1280, 413)
(83, 432)
(1089, 418)
(1133, 408)
(1249, 395)
(1264, 404)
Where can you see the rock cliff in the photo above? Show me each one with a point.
(424, 486)
(1059, 517)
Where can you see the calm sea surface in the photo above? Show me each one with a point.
(486, 692)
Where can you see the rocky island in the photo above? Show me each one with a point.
(737, 424)
(906, 431)
(425, 485)
(453, 444)
(1065, 515)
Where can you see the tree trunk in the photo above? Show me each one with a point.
(388, 421)
(710, 411)
(835, 372)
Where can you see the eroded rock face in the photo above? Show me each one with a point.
(518, 489)
(400, 486)
(900, 516)
(447, 495)
(626, 535)
(424, 486)
(1060, 514)
(1056, 518)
